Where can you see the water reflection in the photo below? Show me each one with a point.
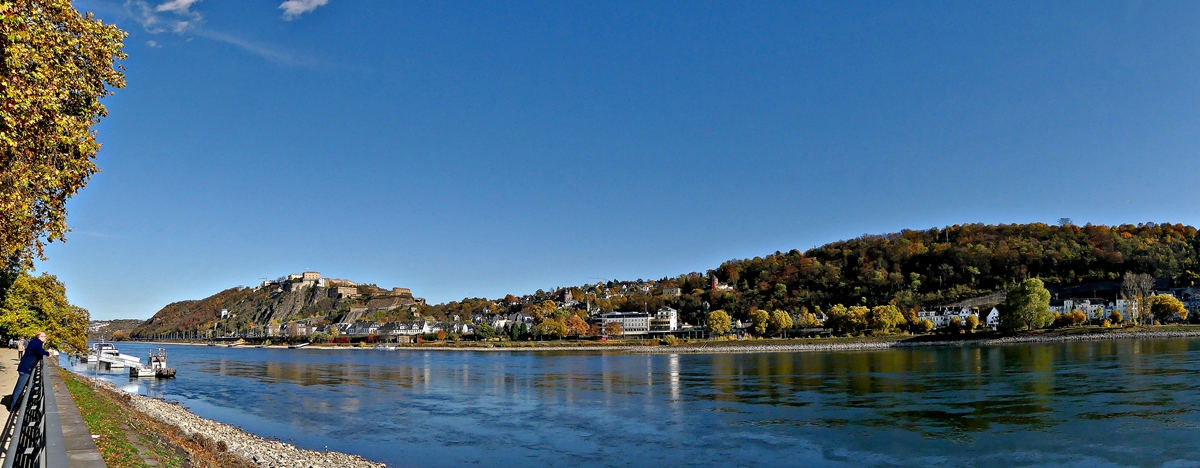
(1114, 401)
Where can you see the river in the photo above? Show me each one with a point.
(1102, 403)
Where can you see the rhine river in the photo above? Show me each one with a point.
(1103, 403)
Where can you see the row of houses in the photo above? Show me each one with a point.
(942, 317)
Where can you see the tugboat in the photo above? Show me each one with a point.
(157, 368)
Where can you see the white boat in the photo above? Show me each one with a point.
(138, 370)
(109, 356)
(157, 368)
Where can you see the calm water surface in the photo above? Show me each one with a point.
(1122, 403)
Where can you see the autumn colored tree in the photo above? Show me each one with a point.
(759, 319)
(972, 322)
(885, 318)
(924, 326)
(778, 322)
(851, 321)
(719, 323)
(552, 329)
(806, 319)
(1137, 288)
(576, 326)
(956, 325)
(1116, 317)
(613, 329)
(1027, 306)
(594, 330)
(56, 65)
(39, 303)
(1166, 307)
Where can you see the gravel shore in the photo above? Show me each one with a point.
(872, 345)
(249, 447)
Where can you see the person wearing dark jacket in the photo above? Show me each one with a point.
(34, 351)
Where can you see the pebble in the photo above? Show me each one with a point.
(254, 449)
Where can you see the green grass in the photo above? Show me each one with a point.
(104, 418)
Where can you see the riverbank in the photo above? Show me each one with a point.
(986, 338)
(135, 428)
(1053, 336)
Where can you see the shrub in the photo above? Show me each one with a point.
(1105, 323)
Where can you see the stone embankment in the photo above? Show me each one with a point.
(251, 448)
(874, 345)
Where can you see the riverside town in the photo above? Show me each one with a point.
(328, 233)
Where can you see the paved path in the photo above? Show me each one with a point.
(8, 376)
(81, 449)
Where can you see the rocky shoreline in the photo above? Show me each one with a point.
(876, 345)
(253, 449)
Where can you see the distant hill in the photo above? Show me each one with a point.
(911, 268)
(314, 302)
(104, 329)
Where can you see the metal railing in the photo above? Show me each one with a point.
(32, 435)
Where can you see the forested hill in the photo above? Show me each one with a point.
(912, 268)
(938, 266)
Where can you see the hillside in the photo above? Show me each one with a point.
(910, 268)
(105, 329)
(285, 300)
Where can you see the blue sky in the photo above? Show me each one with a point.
(482, 148)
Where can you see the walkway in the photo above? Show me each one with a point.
(81, 449)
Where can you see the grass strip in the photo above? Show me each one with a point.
(105, 418)
(109, 414)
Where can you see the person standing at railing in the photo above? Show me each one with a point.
(34, 351)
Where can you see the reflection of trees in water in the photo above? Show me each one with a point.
(952, 392)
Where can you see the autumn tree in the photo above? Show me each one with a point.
(576, 326)
(924, 326)
(57, 65)
(719, 323)
(851, 321)
(551, 329)
(1027, 306)
(759, 319)
(806, 319)
(39, 303)
(1137, 288)
(885, 318)
(613, 329)
(972, 322)
(779, 321)
(1166, 307)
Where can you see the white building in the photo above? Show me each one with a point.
(941, 318)
(993, 319)
(665, 320)
(632, 323)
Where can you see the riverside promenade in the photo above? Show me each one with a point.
(68, 441)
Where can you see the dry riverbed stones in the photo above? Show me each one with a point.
(225, 438)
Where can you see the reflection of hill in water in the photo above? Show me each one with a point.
(956, 403)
